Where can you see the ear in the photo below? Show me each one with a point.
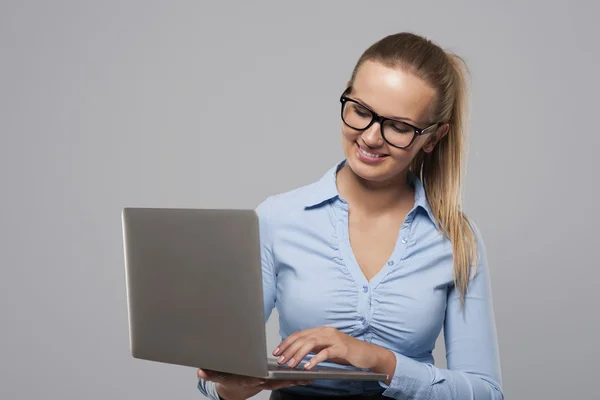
(436, 137)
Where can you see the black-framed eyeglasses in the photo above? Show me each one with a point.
(397, 133)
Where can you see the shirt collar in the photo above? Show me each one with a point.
(326, 189)
(420, 195)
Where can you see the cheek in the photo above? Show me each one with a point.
(349, 134)
(348, 138)
(401, 162)
(402, 156)
(405, 156)
(401, 159)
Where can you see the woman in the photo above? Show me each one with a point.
(368, 264)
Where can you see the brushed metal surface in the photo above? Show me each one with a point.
(194, 288)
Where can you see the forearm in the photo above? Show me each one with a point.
(420, 381)
(407, 377)
(384, 362)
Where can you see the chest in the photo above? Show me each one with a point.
(372, 241)
(322, 280)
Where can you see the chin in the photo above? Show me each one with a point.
(372, 173)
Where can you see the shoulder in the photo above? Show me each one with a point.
(286, 204)
(480, 266)
(295, 201)
(477, 235)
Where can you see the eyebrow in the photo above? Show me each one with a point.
(364, 103)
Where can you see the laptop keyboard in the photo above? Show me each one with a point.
(274, 366)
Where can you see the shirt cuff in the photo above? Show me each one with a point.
(208, 389)
(412, 379)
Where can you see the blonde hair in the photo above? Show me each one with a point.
(441, 170)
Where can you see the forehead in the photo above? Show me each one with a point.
(393, 92)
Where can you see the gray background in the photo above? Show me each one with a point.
(206, 104)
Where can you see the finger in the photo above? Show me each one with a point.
(218, 377)
(291, 355)
(226, 378)
(209, 375)
(242, 380)
(250, 382)
(273, 384)
(303, 383)
(280, 385)
(323, 355)
(310, 345)
(283, 346)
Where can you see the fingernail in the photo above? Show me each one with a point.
(291, 361)
(280, 360)
(276, 351)
(307, 365)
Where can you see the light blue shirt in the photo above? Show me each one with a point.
(311, 275)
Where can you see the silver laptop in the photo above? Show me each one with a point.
(194, 293)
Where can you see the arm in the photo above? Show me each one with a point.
(471, 350)
(209, 388)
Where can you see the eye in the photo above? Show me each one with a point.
(361, 111)
(400, 128)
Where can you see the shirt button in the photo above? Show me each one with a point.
(365, 288)
(390, 262)
(364, 321)
(404, 240)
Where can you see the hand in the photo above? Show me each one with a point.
(232, 386)
(329, 344)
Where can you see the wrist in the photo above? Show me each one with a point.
(384, 362)
(226, 393)
(220, 394)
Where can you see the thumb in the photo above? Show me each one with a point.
(202, 374)
(214, 376)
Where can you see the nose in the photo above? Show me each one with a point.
(372, 136)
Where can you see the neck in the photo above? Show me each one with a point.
(375, 197)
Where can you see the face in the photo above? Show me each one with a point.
(392, 93)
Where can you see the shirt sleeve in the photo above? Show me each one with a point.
(472, 355)
(208, 389)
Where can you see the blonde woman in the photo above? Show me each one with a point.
(369, 263)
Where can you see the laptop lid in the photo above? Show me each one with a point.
(194, 288)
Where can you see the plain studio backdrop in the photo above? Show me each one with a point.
(215, 104)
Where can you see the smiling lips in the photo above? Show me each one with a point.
(368, 156)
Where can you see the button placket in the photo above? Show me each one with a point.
(364, 309)
(405, 232)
